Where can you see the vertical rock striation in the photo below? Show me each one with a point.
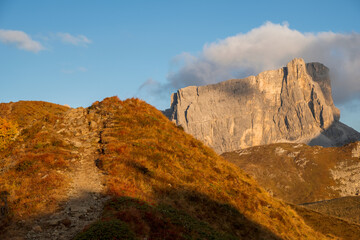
(291, 104)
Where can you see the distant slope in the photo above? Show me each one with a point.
(170, 186)
(329, 225)
(298, 173)
(346, 208)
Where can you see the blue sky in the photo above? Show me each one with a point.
(78, 52)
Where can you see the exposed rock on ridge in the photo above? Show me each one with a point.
(291, 104)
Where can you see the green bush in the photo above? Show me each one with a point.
(107, 230)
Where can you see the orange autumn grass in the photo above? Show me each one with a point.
(150, 159)
(8, 132)
(31, 165)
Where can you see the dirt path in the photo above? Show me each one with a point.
(86, 193)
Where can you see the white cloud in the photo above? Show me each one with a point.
(82, 69)
(71, 71)
(20, 39)
(79, 40)
(23, 41)
(271, 46)
(150, 83)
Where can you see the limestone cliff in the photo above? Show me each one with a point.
(291, 104)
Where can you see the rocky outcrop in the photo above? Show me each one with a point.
(356, 151)
(291, 104)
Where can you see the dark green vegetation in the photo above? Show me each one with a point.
(107, 230)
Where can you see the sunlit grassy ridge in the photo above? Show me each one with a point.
(26, 113)
(31, 166)
(8, 133)
(150, 159)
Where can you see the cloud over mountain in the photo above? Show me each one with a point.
(268, 47)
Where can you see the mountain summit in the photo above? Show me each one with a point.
(290, 104)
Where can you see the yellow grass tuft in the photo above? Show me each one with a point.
(31, 167)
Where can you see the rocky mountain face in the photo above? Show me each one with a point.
(290, 104)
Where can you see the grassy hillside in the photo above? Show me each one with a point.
(26, 113)
(168, 185)
(31, 166)
(347, 208)
(165, 184)
(329, 225)
(298, 173)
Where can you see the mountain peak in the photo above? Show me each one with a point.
(296, 65)
(290, 104)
